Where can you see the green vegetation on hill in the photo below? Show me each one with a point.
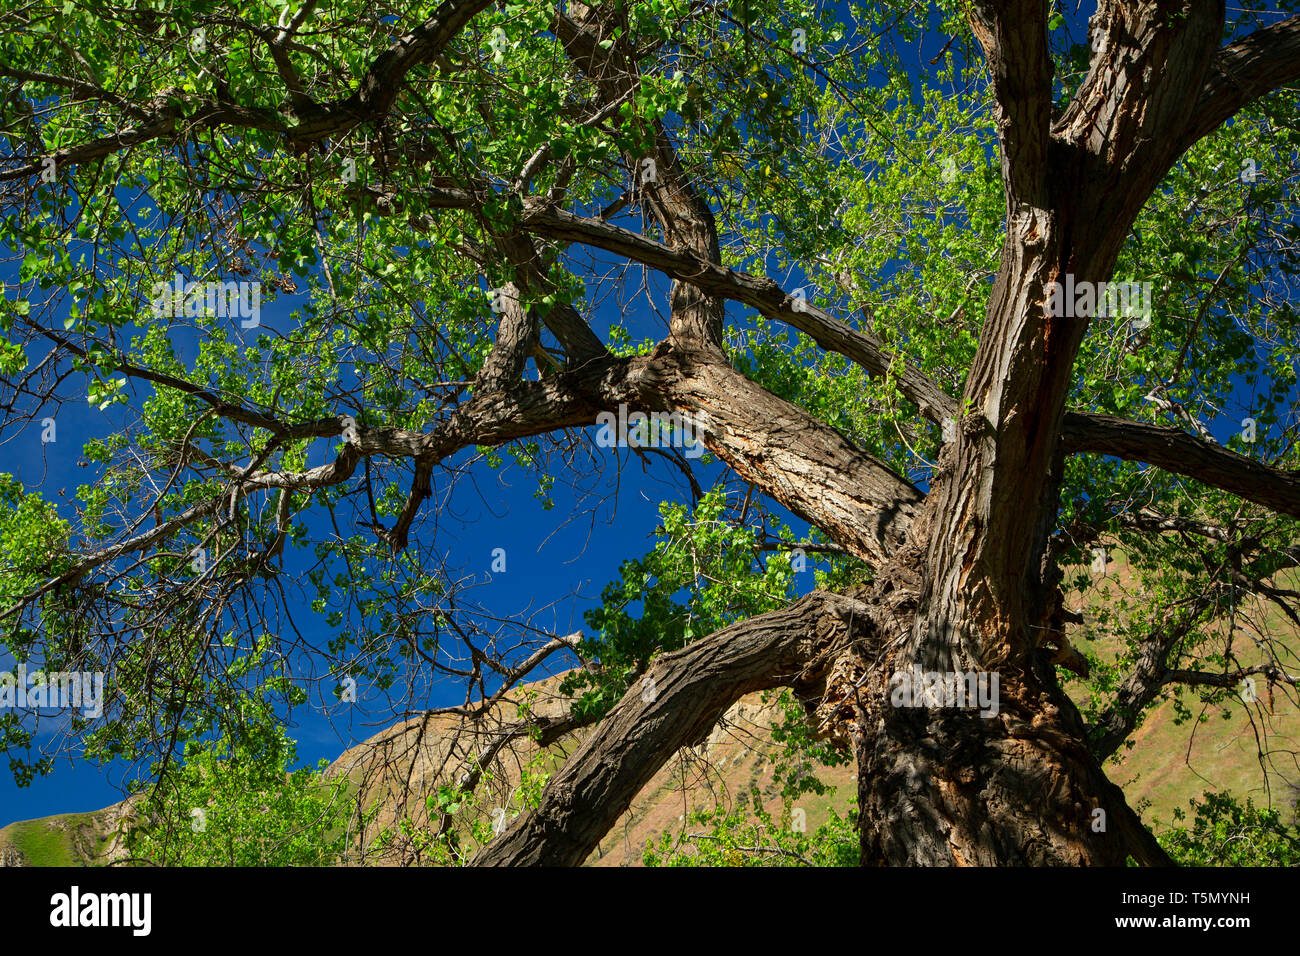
(66, 839)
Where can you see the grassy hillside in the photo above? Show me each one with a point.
(1173, 759)
(65, 839)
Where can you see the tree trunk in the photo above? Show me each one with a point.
(965, 589)
(953, 788)
(950, 786)
(964, 584)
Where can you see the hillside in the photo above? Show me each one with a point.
(1174, 758)
(66, 839)
(400, 766)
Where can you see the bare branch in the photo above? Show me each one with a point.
(760, 293)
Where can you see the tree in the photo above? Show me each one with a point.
(457, 192)
(1224, 833)
(239, 802)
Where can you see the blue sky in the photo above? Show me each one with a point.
(557, 561)
(549, 558)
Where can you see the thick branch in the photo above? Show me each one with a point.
(677, 703)
(806, 465)
(1243, 72)
(1150, 673)
(516, 335)
(380, 86)
(1226, 679)
(683, 214)
(1184, 454)
(1013, 35)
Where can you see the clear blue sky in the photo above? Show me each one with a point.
(549, 557)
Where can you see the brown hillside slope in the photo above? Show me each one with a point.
(400, 766)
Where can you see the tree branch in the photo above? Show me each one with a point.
(1183, 454)
(1243, 72)
(1150, 670)
(757, 292)
(1013, 35)
(806, 465)
(677, 703)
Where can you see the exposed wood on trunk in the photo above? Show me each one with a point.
(964, 580)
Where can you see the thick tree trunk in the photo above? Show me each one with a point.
(1011, 781)
(965, 587)
(964, 582)
(944, 786)
(1017, 784)
(950, 787)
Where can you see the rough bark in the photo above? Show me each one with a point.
(943, 788)
(972, 588)
(677, 703)
(964, 579)
(950, 786)
(807, 466)
(1184, 454)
